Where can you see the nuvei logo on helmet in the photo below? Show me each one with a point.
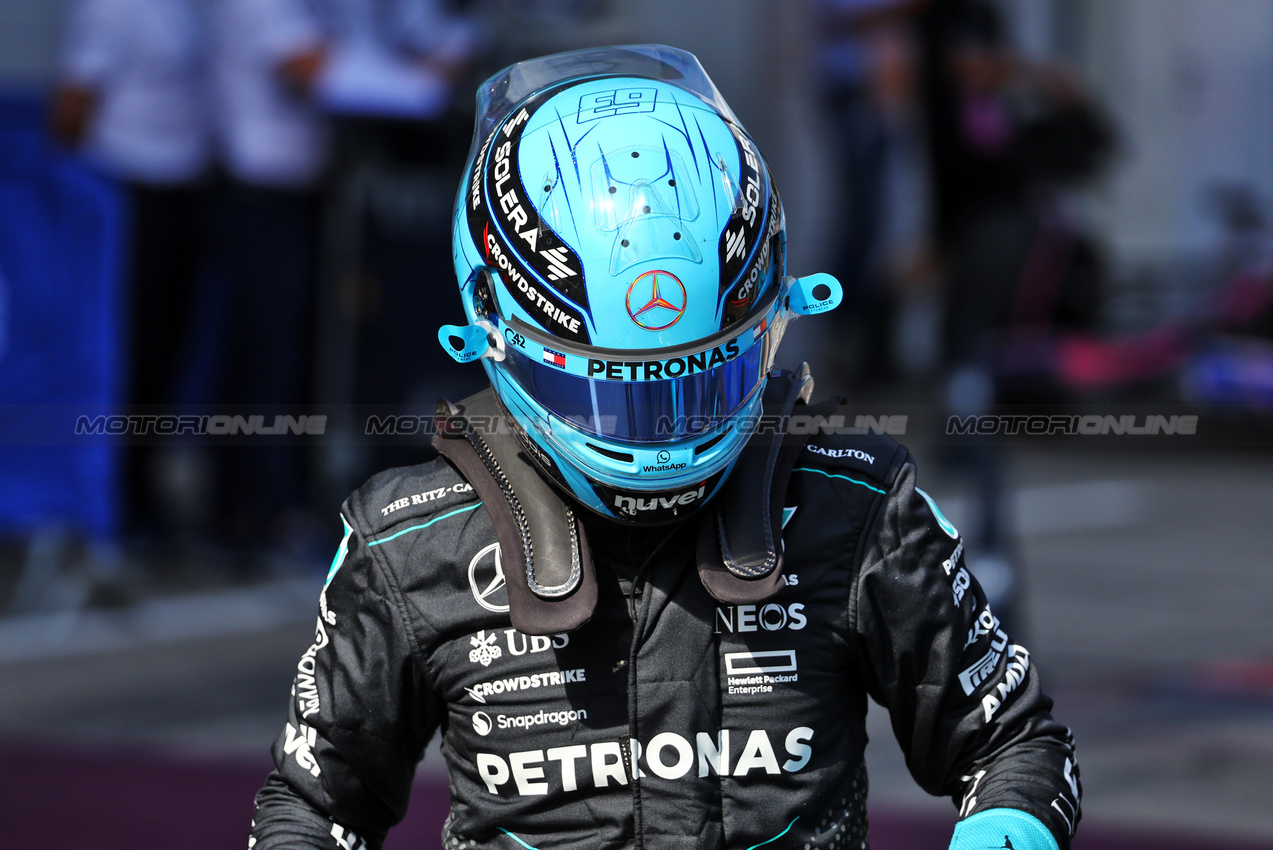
(632, 504)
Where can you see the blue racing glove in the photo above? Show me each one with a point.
(1002, 829)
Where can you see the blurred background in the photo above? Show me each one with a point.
(1045, 211)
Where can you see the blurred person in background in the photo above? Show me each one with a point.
(1003, 134)
(267, 56)
(399, 138)
(856, 64)
(434, 35)
(132, 93)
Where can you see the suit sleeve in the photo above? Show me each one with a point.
(964, 698)
(358, 720)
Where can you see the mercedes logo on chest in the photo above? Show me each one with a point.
(486, 579)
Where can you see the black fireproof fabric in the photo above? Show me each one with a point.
(669, 720)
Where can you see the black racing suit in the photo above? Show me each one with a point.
(669, 720)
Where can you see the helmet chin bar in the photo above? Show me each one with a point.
(631, 499)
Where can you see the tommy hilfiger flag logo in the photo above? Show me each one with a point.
(554, 358)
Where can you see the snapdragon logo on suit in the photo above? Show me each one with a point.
(482, 723)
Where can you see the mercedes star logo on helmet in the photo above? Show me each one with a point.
(486, 579)
(656, 300)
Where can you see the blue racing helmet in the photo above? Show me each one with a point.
(620, 248)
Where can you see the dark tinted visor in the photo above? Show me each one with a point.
(642, 396)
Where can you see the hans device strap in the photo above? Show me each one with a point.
(552, 587)
(547, 564)
(740, 547)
